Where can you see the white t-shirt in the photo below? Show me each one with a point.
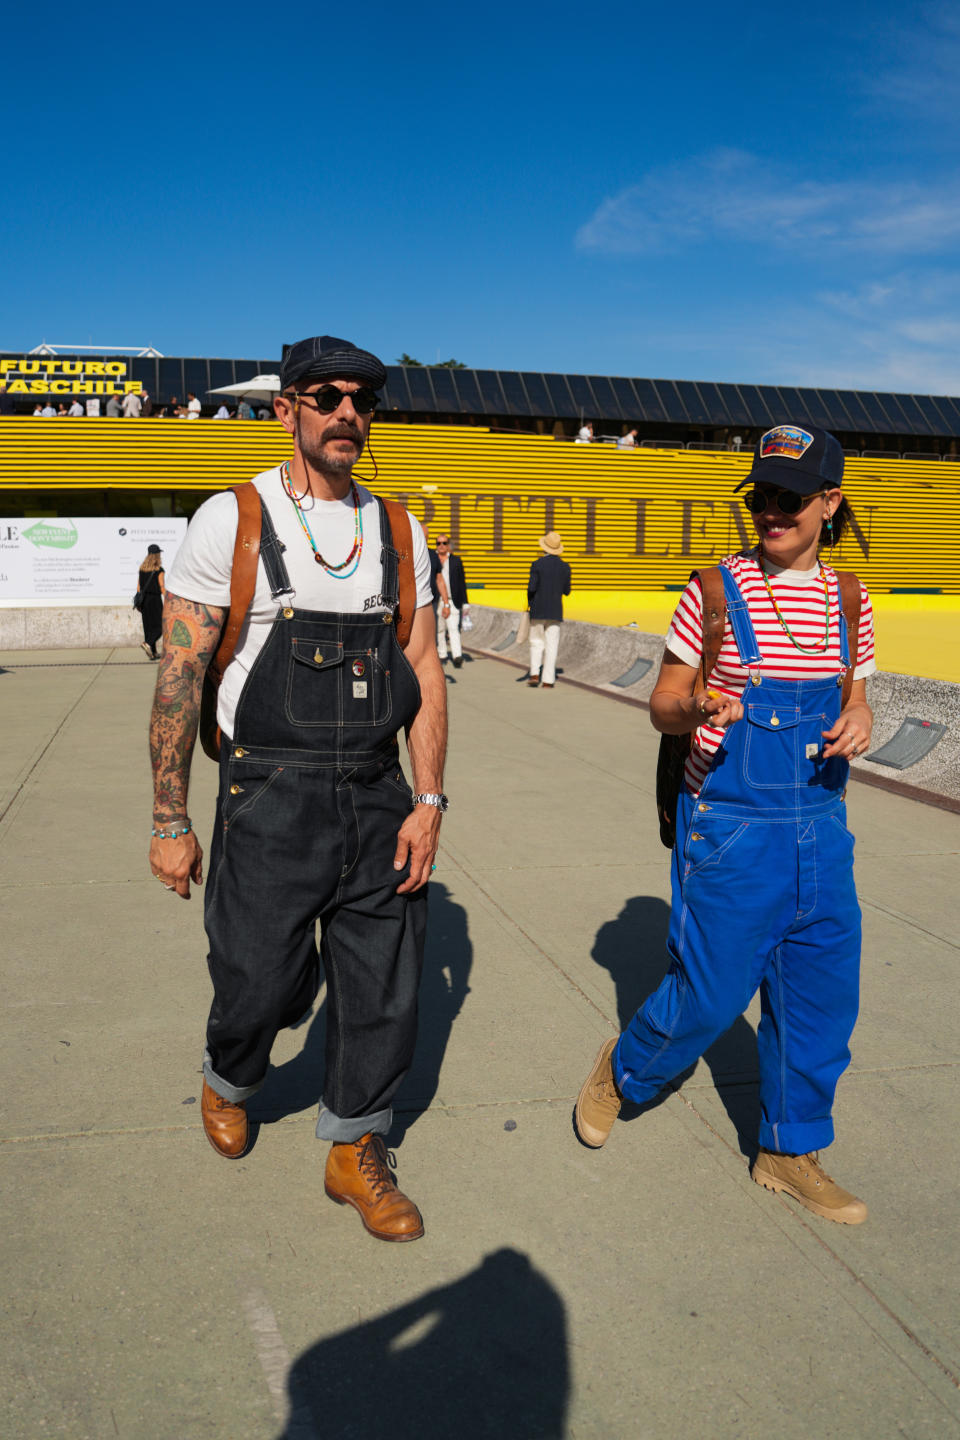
(193, 409)
(201, 570)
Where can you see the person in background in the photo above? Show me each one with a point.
(150, 586)
(113, 407)
(244, 410)
(173, 410)
(585, 434)
(548, 583)
(38, 408)
(193, 406)
(628, 441)
(61, 409)
(48, 411)
(146, 404)
(76, 408)
(450, 614)
(222, 414)
(132, 405)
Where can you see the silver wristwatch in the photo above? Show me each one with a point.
(440, 801)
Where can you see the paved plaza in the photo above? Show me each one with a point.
(155, 1291)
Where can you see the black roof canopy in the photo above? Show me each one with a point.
(502, 395)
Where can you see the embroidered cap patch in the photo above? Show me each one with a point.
(787, 440)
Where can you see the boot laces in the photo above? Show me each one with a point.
(816, 1171)
(373, 1163)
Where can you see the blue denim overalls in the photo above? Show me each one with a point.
(763, 895)
(311, 799)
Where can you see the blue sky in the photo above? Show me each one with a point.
(737, 192)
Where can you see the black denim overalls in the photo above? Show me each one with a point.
(311, 799)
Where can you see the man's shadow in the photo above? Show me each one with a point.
(482, 1358)
(448, 956)
(633, 949)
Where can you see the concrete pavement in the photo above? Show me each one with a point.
(158, 1292)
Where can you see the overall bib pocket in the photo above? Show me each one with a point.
(329, 685)
(771, 746)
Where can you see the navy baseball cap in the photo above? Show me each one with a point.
(797, 457)
(325, 357)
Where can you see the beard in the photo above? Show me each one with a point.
(316, 454)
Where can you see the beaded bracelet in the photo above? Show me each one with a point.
(171, 834)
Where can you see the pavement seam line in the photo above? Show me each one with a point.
(63, 720)
(798, 1218)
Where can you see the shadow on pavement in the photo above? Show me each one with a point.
(633, 949)
(448, 956)
(485, 1356)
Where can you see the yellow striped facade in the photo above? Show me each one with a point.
(630, 520)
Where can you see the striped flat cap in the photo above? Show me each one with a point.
(326, 357)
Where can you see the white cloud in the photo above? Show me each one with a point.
(730, 194)
(924, 78)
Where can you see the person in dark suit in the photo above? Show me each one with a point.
(549, 582)
(450, 578)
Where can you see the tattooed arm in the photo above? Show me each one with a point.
(190, 635)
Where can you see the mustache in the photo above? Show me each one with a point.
(343, 431)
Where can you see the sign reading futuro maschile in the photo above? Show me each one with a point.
(28, 375)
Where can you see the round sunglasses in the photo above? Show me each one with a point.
(330, 397)
(788, 502)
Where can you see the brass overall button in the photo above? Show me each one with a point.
(287, 613)
(388, 619)
(234, 789)
(239, 752)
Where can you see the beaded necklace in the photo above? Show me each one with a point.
(820, 647)
(337, 572)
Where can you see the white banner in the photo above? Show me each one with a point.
(91, 560)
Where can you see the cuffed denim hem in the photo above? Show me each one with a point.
(334, 1127)
(234, 1093)
(799, 1138)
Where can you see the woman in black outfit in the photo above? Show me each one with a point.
(150, 586)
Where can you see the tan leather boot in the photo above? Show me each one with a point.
(358, 1175)
(803, 1177)
(599, 1101)
(225, 1124)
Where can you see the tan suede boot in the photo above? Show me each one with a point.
(358, 1174)
(599, 1101)
(803, 1177)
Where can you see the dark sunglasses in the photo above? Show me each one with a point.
(788, 502)
(441, 540)
(331, 397)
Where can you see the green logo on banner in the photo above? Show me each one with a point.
(57, 537)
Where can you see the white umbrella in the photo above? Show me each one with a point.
(258, 387)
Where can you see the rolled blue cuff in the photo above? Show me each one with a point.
(802, 1137)
(331, 1126)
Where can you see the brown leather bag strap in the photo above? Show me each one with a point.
(714, 617)
(243, 573)
(399, 519)
(850, 603)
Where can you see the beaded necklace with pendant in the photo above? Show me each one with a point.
(820, 647)
(337, 572)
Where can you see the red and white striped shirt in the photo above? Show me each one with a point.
(800, 597)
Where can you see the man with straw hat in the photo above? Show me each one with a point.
(549, 582)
